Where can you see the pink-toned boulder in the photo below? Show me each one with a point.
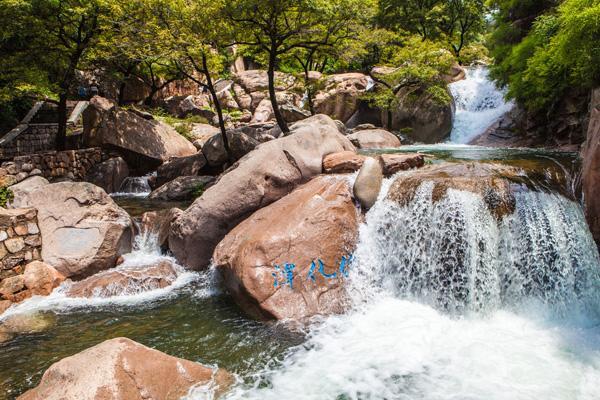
(342, 162)
(41, 278)
(125, 280)
(317, 221)
(121, 369)
(393, 163)
(263, 176)
(590, 171)
(107, 125)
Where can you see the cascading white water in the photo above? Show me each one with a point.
(479, 103)
(146, 252)
(135, 186)
(452, 304)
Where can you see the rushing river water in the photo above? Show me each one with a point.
(448, 303)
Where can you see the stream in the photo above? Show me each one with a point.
(518, 317)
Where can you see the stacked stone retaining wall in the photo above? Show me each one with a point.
(70, 164)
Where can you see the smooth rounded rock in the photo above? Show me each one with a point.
(368, 183)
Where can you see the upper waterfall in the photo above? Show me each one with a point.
(478, 104)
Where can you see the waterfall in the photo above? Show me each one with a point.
(455, 256)
(451, 303)
(135, 186)
(479, 103)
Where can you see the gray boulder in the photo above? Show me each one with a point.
(420, 117)
(179, 166)
(182, 188)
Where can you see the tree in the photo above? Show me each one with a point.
(276, 27)
(412, 63)
(66, 30)
(335, 42)
(415, 16)
(462, 22)
(194, 36)
(555, 52)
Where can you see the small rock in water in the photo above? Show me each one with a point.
(368, 183)
(125, 280)
(123, 369)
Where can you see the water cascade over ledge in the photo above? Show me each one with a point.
(453, 303)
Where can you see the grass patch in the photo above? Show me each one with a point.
(6, 195)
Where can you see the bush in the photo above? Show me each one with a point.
(6, 195)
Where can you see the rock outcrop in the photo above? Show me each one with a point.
(109, 174)
(420, 117)
(145, 143)
(368, 183)
(123, 369)
(341, 96)
(487, 180)
(261, 177)
(374, 139)
(83, 230)
(289, 259)
(591, 168)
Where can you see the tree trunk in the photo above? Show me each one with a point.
(61, 135)
(309, 92)
(150, 98)
(217, 103)
(271, 74)
(121, 98)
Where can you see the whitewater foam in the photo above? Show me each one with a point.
(479, 103)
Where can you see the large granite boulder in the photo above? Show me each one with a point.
(419, 116)
(289, 260)
(83, 230)
(591, 168)
(22, 189)
(179, 166)
(374, 139)
(240, 144)
(182, 188)
(125, 280)
(119, 369)
(109, 174)
(145, 143)
(263, 176)
(490, 181)
(341, 96)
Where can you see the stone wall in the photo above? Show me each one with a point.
(20, 241)
(33, 138)
(71, 164)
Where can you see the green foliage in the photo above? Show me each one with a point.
(183, 126)
(198, 191)
(414, 64)
(6, 195)
(557, 52)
